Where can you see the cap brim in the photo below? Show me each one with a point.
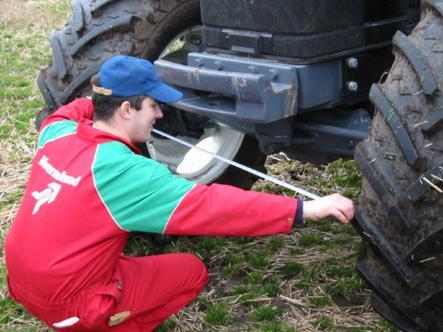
(165, 94)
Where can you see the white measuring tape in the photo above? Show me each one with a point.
(242, 167)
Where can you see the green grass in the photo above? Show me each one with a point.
(275, 244)
(249, 276)
(310, 240)
(266, 314)
(217, 314)
(292, 269)
(296, 251)
(320, 302)
(346, 286)
(259, 259)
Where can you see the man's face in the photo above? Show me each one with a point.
(142, 121)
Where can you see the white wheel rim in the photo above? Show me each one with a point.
(194, 164)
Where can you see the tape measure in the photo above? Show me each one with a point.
(238, 165)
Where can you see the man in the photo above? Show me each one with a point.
(89, 186)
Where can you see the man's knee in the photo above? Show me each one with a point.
(198, 269)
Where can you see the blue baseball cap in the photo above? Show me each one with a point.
(126, 76)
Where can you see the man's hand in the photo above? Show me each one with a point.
(334, 205)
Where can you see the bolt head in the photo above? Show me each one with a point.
(352, 86)
(218, 64)
(352, 62)
(273, 73)
(199, 62)
(252, 69)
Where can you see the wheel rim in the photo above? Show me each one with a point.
(194, 164)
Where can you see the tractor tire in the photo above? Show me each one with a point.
(99, 29)
(400, 210)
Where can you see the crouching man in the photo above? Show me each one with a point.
(89, 187)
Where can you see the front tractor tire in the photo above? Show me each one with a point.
(149, 29)
(400, 213)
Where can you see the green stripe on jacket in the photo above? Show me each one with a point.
(56, 130)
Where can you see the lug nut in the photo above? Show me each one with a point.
(352, 86)
(352, 62)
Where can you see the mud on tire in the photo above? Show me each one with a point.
(400, 213)
(99, 29)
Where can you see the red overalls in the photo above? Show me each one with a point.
(87, 190)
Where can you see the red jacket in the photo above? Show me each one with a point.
(88, 189)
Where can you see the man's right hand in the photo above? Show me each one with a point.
(334, 205)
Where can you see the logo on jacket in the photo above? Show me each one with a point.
(61, 176)
(47, 195)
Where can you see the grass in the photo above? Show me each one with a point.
(277, 283)
(217, 314)
(266, 313)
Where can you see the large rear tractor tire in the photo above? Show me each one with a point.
(149, 29)
(400, 212)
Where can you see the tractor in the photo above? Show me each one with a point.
(315, 79)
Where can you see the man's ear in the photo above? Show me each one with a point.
(124, 109)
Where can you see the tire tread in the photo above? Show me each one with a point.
(416, 304)
(418, 62)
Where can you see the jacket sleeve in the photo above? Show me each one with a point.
(229, 211)
(76, 111)
(143, 195)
